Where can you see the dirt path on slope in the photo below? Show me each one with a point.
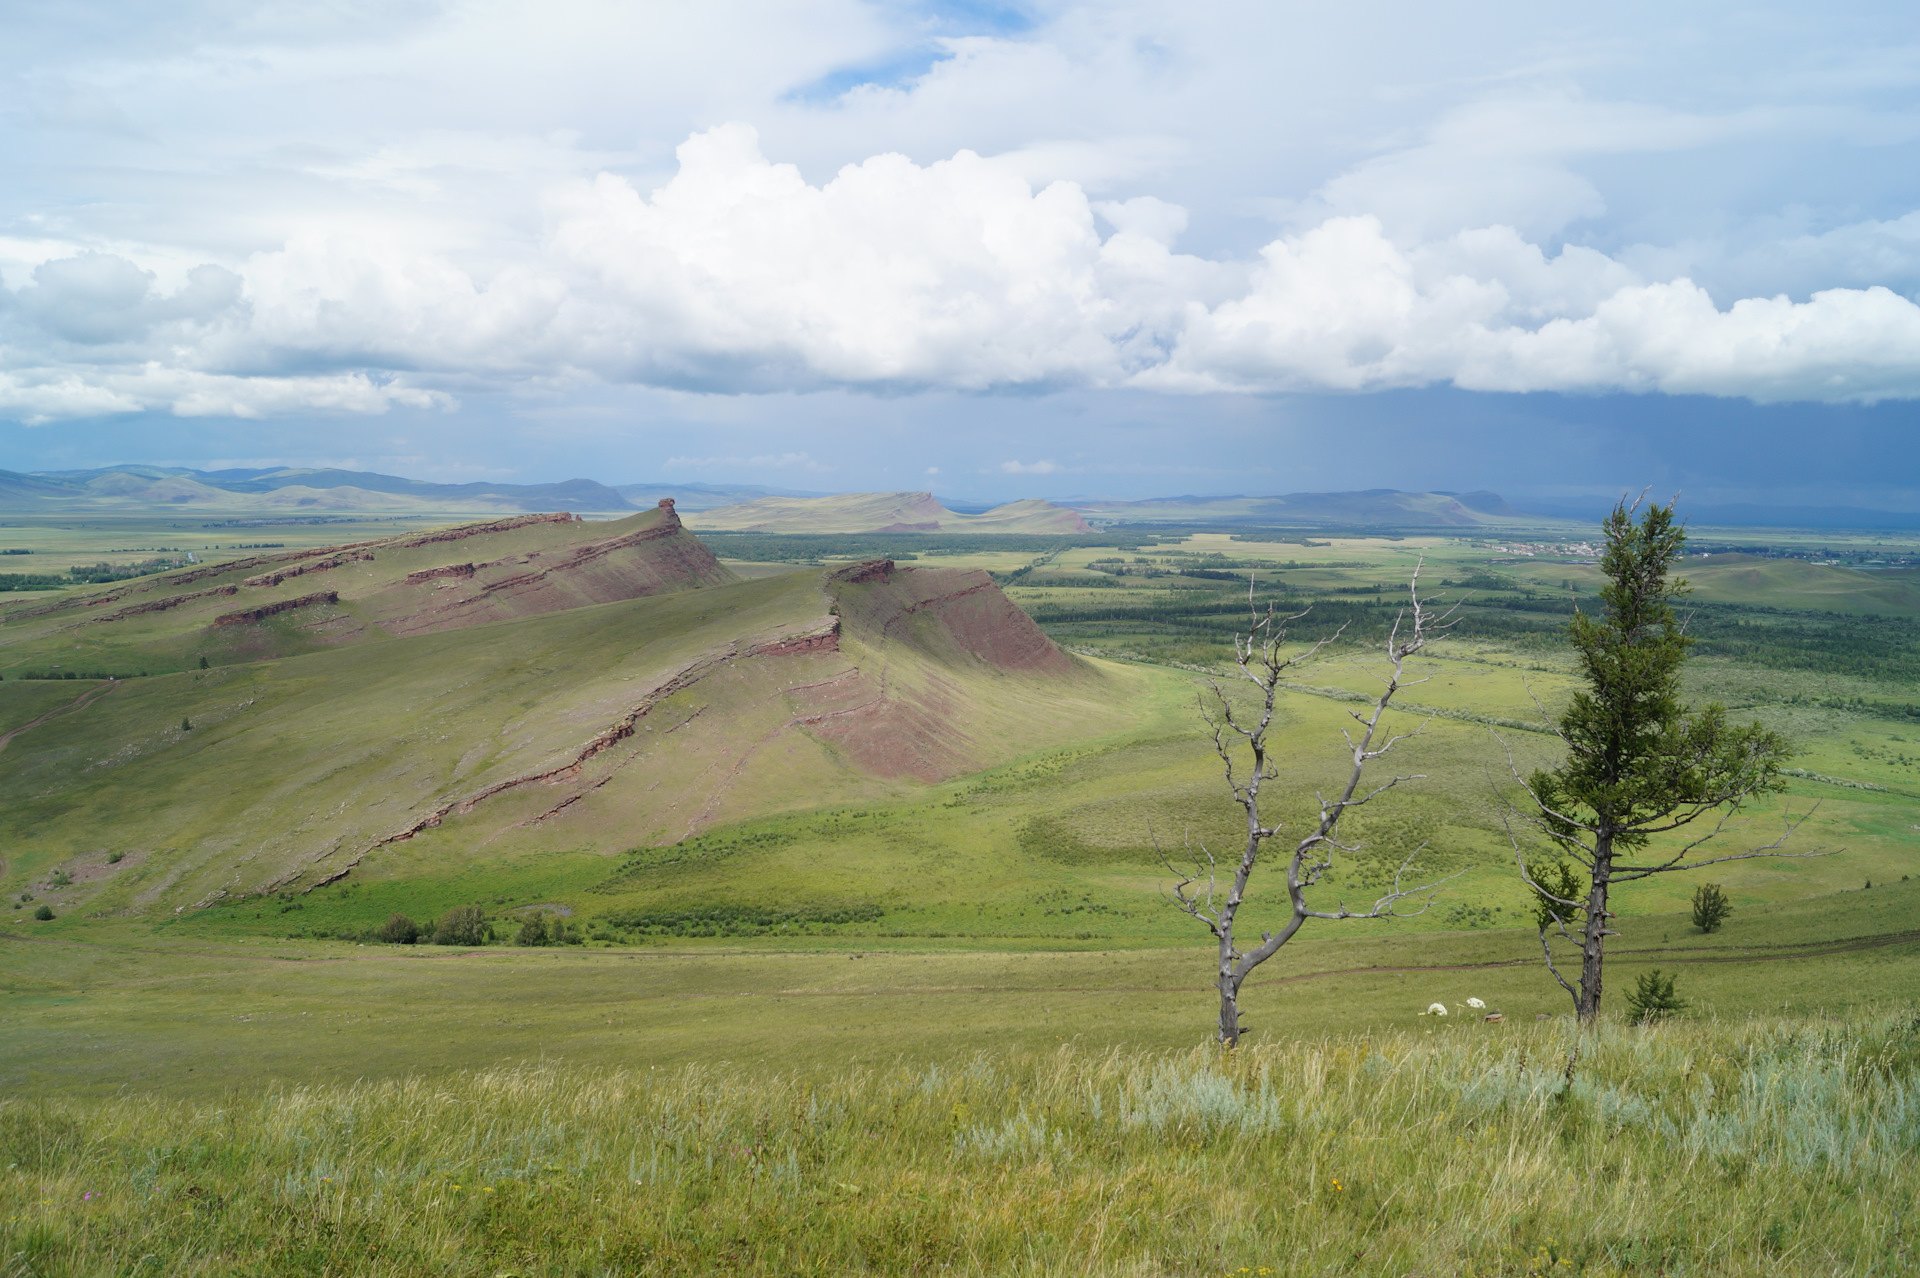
(79, 703)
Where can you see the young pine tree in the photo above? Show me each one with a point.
(1710, 907)
(1640, 763)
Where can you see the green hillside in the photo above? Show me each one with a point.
(278, 604)
(532, 743)
(884, 512)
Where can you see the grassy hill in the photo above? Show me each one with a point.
(578, 732)
(884, 512)
(277, 604)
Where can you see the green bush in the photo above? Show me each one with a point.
(543, 928)
(399, 930)
(1710, 907)
(463, 925)
(114, 858)
(1653, 998)
(44, 913)
(60, 878)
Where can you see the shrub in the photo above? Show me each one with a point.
(186, 725)
(399, 930)
(44, 913)
(543, 928)
(463, 925)
(1653, 998)
(114, 858)
(1710, 907)
(60, 878)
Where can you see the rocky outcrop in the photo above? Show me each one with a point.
(824, 639)
(480, 530)
(248, 615)
(870, 570)
(659, 556)
(340, 560)
(448, 570)
(166, 603)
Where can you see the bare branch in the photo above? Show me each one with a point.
(1260, 658)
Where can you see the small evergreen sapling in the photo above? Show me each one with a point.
(1653, 998)
(1710, 907)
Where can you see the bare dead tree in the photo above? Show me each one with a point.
(1261, 658)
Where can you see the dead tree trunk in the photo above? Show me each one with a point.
(1261, 659)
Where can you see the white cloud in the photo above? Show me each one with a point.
(1029, 468)
(1343, 307)
(737, 273)
(469, 197)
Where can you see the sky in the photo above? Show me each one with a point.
(996, 250)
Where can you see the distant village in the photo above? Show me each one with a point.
(1570, 551)
(1589, 552)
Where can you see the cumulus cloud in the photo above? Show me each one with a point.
(468, 197)
(736, 273)
(1041, 467)
(1343, 307)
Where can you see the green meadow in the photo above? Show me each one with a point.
(814, 1017)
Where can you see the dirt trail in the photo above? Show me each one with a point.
(80, 702)
(1723, 954)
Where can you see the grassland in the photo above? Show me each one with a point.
(838, 978)
(1764, 1146)
(56, 543)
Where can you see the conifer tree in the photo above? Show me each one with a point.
(1641, 766)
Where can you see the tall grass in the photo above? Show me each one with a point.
(1691, 1148)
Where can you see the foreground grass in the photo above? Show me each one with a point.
(1760, 1146)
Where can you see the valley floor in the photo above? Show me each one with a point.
(103, 1012)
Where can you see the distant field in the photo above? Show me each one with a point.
(59, 542)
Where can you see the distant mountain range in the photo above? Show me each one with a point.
(1371, 508)
(288, 489)
(141, 489)
(884, 512)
